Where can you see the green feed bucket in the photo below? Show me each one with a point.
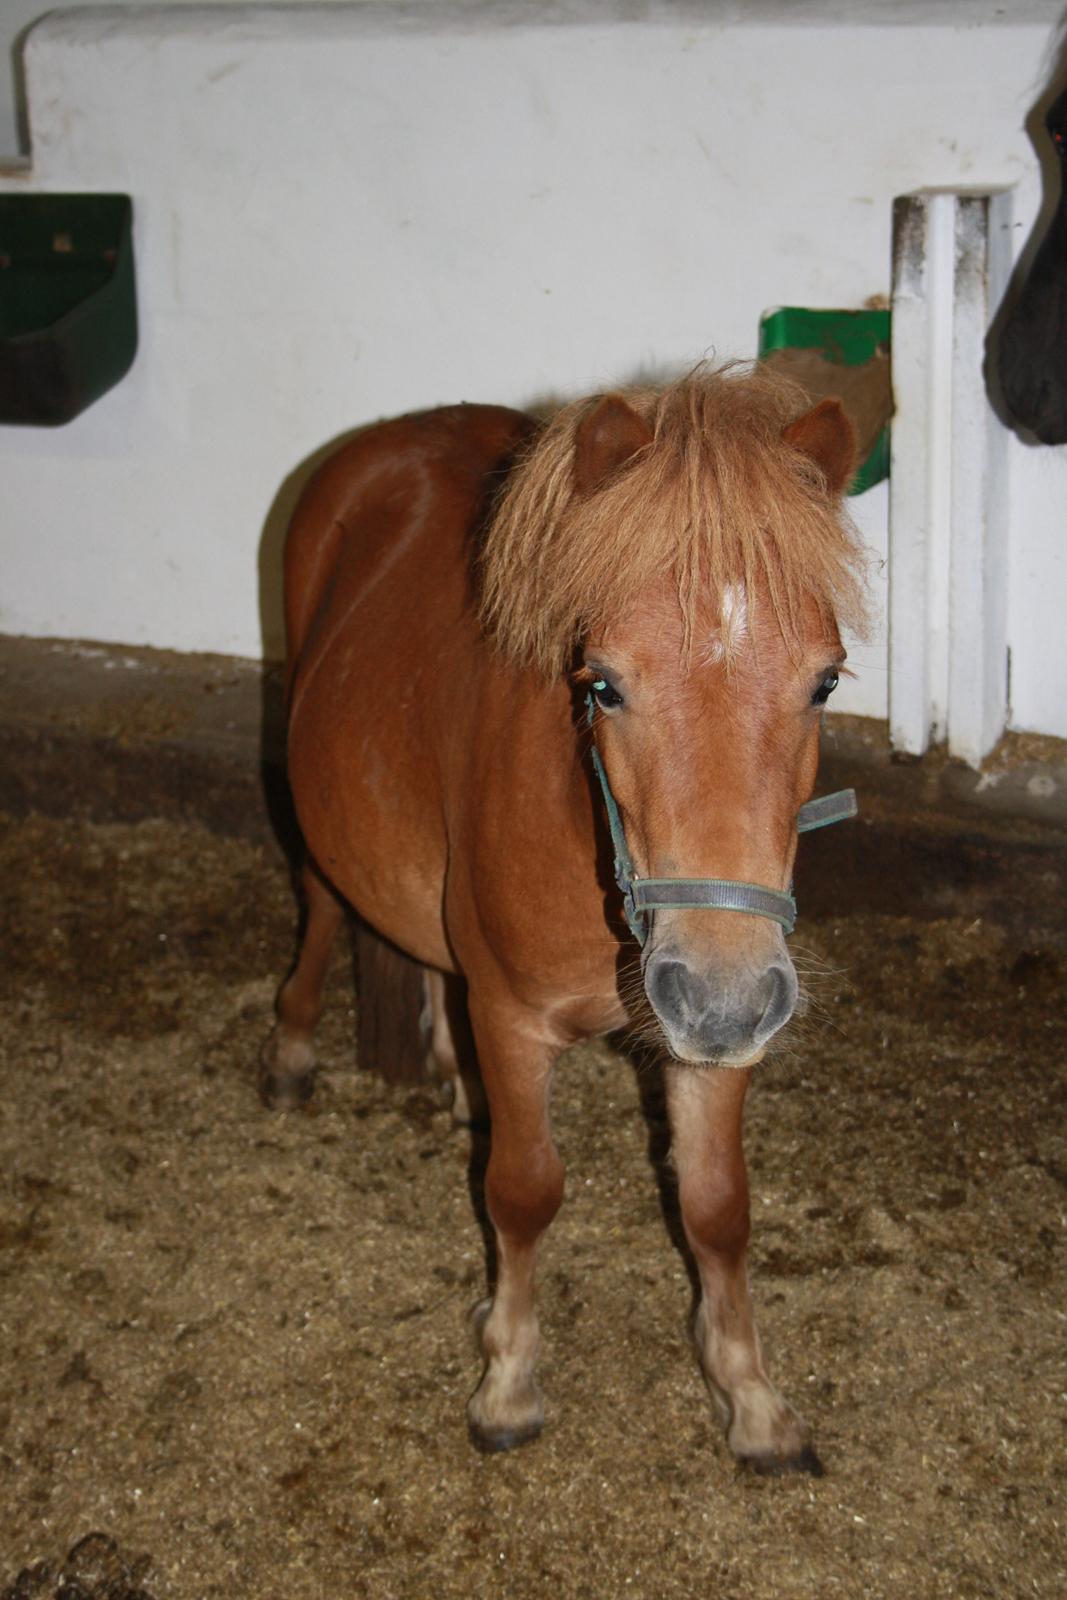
(68, 314)
(845, 338)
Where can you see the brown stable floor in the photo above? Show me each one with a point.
(238, 1344)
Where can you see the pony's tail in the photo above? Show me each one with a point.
(390, 989)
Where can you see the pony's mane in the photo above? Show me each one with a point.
(716, 498)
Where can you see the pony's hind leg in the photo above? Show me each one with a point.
(287, 1062)
(705, 1111)
(523, 1190)
(450, 1056)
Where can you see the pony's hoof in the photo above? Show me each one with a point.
(466, 1102)
(805, 1460)
(451, 1096)
(286, 1073)
(493, 1441)
(286, 1091)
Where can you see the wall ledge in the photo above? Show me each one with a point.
(368, 18)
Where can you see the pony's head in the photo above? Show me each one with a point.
(684, 553)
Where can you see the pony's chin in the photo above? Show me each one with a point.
(737, 1060)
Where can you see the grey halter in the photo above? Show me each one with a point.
(642, 896)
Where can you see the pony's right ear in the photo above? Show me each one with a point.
(605, 440)
(828, 437)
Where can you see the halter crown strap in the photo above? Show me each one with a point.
(836, 807)
(640, 896)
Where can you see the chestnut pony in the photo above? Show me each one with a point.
(473, 601)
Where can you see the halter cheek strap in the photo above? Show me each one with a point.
(641, 896)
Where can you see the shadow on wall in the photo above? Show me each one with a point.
(272, 545)
(273, 686)
(1026, 346)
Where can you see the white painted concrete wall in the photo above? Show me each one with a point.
(343, 212)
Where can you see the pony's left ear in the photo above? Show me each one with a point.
(828, 437)
(605, 441)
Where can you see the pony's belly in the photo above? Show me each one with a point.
(374, 844)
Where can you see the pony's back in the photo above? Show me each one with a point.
(347, 513)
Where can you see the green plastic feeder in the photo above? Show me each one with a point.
(847, 337)
(68, 313)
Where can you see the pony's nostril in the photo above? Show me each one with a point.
(778, 993)
(678, 992)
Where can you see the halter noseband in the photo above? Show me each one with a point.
(641, 896)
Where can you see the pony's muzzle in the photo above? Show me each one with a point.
(711, 1017)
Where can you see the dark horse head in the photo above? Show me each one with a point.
(1033, 344)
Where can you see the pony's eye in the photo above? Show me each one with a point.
(607, 698)
(826, 687)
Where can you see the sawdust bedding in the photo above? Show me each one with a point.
(235, 1346)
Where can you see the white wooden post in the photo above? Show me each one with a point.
(920, 471)
(978, 585)
(947, 494)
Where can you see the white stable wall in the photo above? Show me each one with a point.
(345, 212)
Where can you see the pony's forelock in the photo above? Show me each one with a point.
(716, 499)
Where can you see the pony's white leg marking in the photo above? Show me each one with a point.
(441, 1053)
(523, 1190)
(441, 1059)
(506, 1408)
(705, 1109)
(761, 1427)
(442, 1056)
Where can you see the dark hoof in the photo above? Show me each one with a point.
(496, 1441)
(285, 1091)
(784, 1466)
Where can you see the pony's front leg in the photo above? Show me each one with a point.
(523, 1190)
(705, 1111)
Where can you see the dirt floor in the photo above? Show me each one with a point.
(236, 1346)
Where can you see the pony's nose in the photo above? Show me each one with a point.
(710, 1018)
